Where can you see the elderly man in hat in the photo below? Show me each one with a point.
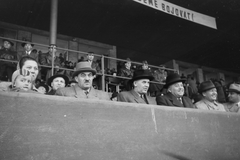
(84, 76)
(175, 92)
(6, 53)
(28, 51)
(140, 84)
(233, 103)
(57, 81)
(209, 102)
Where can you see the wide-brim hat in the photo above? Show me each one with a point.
(205, 86)
(12, 44)
(172, 79)
(141, 74)
(234, 88)
(27, 42)
(56, 76)
(84, 66)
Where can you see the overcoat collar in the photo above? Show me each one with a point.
(80, 92)
(137, 98)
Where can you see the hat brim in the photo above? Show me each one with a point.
(234, 90)
(141, 77)
(55, 76)
(23, 44)
(76, 73)
(169, 84)
(201, 91)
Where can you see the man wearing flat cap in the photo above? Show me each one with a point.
(209, 93)
(6, 53)
(175, 92)
(233, 103)
(28, 46)
(140, 84)
(84, 76)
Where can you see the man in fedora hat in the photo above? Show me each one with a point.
(84, 76)
(6, 53)
(57, 81)
(28, 51)
(140, 84)
(209, 101)
(175, 92)
(233, 103)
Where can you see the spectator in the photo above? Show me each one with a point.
(175, 92)
(22, 81)
(57, 81)
(46, 59)
(209, 101)
(28, 51)
(139, 84)
(126, 72)
(90, 59)
(43, 88)
(7, 68)
(233, 103)
(84, 75)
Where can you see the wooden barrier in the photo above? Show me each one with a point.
(40, 127)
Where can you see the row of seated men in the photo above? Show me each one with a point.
(23, 80)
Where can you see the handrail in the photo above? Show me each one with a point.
(102, 62)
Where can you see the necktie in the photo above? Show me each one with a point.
(180, 100)
(86, 92)
(144, 98)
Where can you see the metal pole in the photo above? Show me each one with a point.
(53, 29)
(103, 74)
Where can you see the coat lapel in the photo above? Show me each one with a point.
(137, 98)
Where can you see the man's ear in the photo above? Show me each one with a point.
(76, 79)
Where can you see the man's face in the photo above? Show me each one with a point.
(128, 65)
(58, 82)
(211, 94)
(90, 57)
(41, 89)
(23, 82)
(6, 44)
(84, 80)
(233, 97)
(32, 67)
(177, 89)
(145, 66)
(28, 47)
(141, 86)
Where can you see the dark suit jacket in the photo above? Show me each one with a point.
(170, 100)
(133, 97)
(76, 91)
(22, 54)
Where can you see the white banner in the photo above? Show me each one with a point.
(180, 12)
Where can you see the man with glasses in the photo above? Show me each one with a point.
(233, 103)
(84, 76)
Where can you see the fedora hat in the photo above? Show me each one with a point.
(173, 78)
(234, 87)
(12, 44)
(205, 86)
(141, 74)
(27, 42)
(83, 67)
(56, 76)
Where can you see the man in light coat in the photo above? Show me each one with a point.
(84, 76)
